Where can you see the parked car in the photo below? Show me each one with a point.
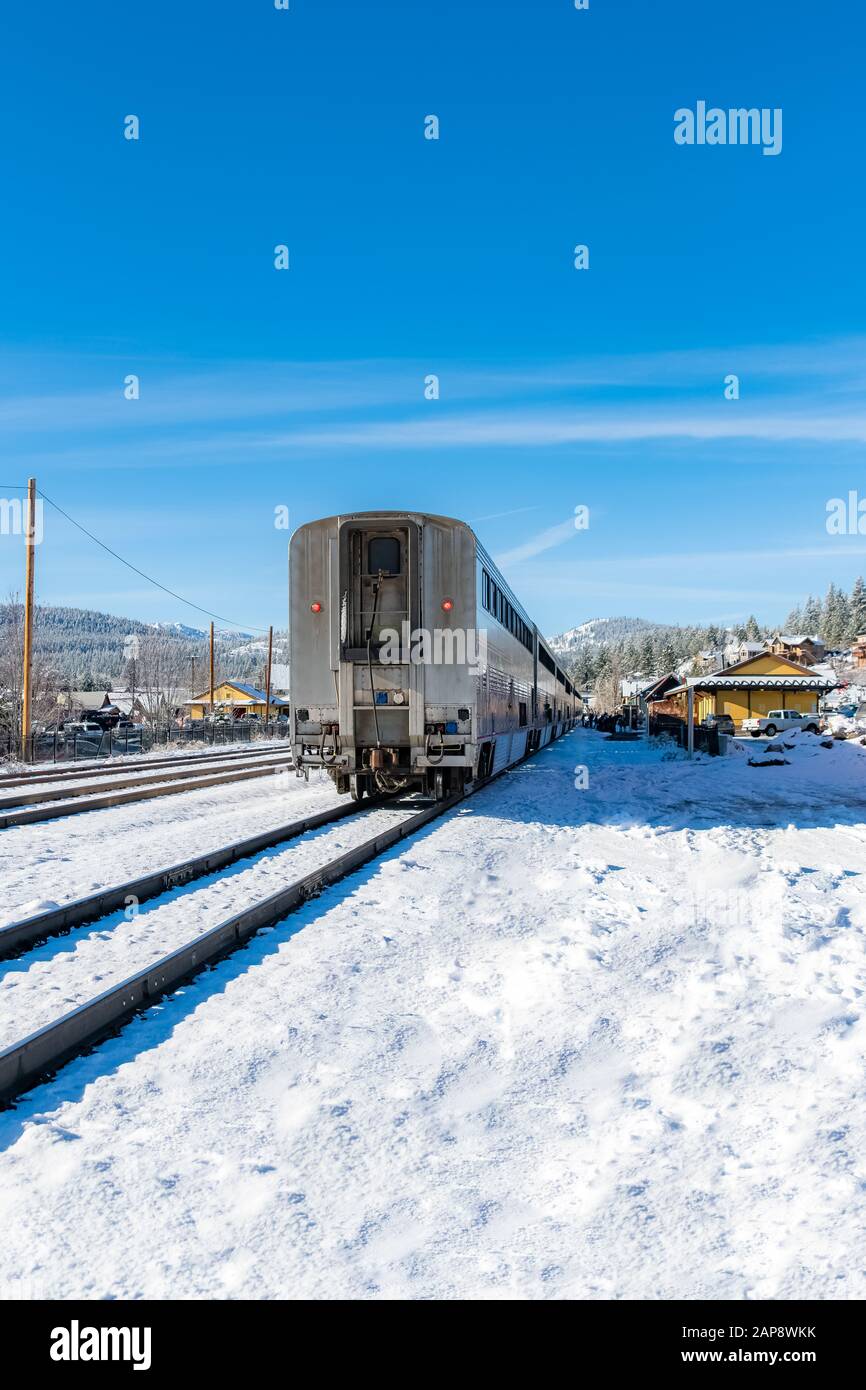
(723, 722)
(780, 721)
(126, 732)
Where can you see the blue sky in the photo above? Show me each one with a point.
(304, 388)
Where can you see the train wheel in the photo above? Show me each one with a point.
(440, 783)
(356, 787)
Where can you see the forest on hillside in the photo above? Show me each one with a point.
(82, 649)
(653, 649)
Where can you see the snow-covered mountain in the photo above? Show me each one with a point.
(598, 632)
(178, 630)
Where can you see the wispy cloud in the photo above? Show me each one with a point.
(497, 516)
(801, 393)
(538, 544)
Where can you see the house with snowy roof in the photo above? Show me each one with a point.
(805, 649)
(236, 700)
(737, 651)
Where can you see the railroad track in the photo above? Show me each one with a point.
(21, 935)
(107, 767)
(37, 1056)
(45, 804)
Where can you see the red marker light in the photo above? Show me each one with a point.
(447, 605)
(315, 608)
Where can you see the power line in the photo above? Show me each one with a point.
(219, 618)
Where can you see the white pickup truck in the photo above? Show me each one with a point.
(779, 721)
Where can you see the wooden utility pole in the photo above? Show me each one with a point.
(691, 710)
(268, 678)
(211, 668)
(29, 560)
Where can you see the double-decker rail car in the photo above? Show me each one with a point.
(412, 662)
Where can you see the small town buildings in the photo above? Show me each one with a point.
(751, 687)
(709, 659)
(653, 698)
(109, 706)
(236, 700)
(858, 652)
(799, 647)
(737, 651)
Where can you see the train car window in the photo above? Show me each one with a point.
(485, 590)
(383, 553)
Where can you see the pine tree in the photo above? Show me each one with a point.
(833, 617)
(630, 658)
(753, 632)
(794, 622)
(667, 657)
(813, 618)
(857, 610)
(843, 617)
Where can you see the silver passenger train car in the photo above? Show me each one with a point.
(412, 662)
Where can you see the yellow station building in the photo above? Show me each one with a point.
(749, 688)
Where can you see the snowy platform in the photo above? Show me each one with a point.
(598, 1034)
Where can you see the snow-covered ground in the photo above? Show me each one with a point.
(63, 972)
(52, 862)
(565, 1043)
(54, 792)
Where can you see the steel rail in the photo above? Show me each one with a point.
(25, 797)
(138, 763)
(20, 935)
(146, 793)
(35, 1057)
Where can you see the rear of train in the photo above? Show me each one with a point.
(369, 701)
(412, 663)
